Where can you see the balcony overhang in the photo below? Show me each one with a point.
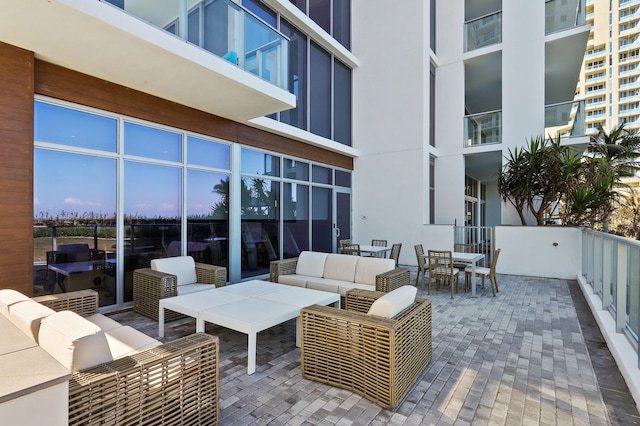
(564, 55)
(97, 39)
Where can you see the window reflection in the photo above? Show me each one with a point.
(149, 142)
(74, 224)
(208, 217)
(151, 216)
(295, 225)
(259, 225)
(66, 126)
(201, 152)
(260, 163)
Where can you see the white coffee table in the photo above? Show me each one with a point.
(248, 307)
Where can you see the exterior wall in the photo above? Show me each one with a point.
(530, 251)
(16, 173)
(390, 121)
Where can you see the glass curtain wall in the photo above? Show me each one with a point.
(112, 193)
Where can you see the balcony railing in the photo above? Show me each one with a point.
(561, 15)
(223, 28)
(611, 266)
(565, 119)
(483, 128)
(483, 31)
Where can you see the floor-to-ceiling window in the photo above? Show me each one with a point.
(112, 193)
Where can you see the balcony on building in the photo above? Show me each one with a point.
(564, 120)
(212, 56)
(561, 15)
(482, 31)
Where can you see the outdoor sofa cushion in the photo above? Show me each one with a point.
(27, 315)
(394, 302)
(340, 267)
(73, 341)
(183, 267)
(8, 297)
(311, 263)
(369, 267)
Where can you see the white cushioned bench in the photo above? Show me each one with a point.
(339, 273)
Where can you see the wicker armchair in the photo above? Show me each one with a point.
(175, 383)
(150, 286)
(376, 357)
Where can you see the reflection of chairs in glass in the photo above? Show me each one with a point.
(441, 268)
(73, 268)
(395, 252)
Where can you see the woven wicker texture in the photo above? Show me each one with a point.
(150, 286)
(441, 268)
(82, 302)
(378, 358)
(176, 383)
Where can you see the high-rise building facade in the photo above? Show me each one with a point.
(245, 131)
(609, 79)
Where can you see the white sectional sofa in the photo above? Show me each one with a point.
(118, 371)
(339, 273)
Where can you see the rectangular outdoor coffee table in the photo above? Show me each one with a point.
(248, 307)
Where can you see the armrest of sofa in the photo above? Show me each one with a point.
(82, 302)
(149, 287)
(211, 274)
(393, 279)
(358, 300)
(175, 383)
(282, 267)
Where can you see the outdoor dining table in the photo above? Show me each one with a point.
(376, 251)
(470, 258)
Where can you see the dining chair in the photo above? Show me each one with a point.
(422, 262)
(344, 243)
(352, 249)
(395, 252)
(380, 243)
(484, 272)
(441, 268)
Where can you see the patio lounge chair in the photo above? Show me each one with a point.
(172, 276)
(378, 355)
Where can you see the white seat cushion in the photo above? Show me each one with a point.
(480, 270)
(394, 302)
(344, 288)
(340, 267)
(294, 279)
(105, 323)
(192, 288)
(126, 340)
(73, 341)
(311, 263)
(369, 267)
(27, 315)
(183, 267)
(9, 297)
(324, 285)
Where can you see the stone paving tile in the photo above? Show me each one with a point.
(517, 359)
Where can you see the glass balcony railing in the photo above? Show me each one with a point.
(561, 15)
(483, 128)
(565, 119)
(483, 31)
(223, 28)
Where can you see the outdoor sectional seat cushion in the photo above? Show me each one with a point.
(27, 315)
(394, 302)
(369, 267)
(73, 341)
(310, 266)
(8, 297)
(125, 340)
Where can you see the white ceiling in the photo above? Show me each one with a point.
(98, 39)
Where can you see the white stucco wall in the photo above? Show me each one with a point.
(541, 251)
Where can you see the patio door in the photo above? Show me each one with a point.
(341, 217)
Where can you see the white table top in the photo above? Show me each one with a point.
(373, 249)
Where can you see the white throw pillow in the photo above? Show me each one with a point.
(394, 302)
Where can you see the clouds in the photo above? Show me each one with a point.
(71, 201)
